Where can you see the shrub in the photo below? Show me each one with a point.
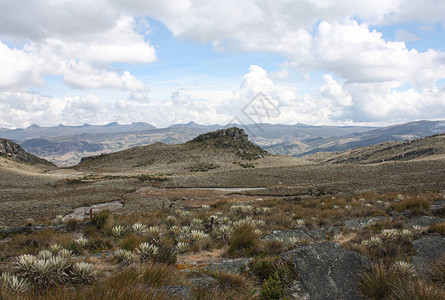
(72, 224)
(146, 250)
(272, 288)
(243, 241)
(376, 283)
(166, 255)
(417, 290)
(99, 219)
(263, 268)
(439, 228)
(437, 271)
(414, 205)
(273, 246)
(83, 272)
(229, 280)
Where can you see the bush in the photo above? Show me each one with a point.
(243, 241)
(263, 268)
(376, 283)
(417, 290)
(229, 280)
(166, 255)
(439, 228)
(273, 246)
(414, 205)
(99, 219)
(437, 271)
(272, 288)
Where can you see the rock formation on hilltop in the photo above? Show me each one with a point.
(231, 138)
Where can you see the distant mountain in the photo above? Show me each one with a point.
(35, 131)
(66, 145)
(400, 132)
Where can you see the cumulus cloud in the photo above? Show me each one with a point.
(366, 78)
(83, 57)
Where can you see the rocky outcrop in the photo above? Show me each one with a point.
(424, 221)
(12, 150)
(327, 270)
(231, 138)
(359, 223)
(288, 234)
(232, 265)
(428, 250)
(233, 133)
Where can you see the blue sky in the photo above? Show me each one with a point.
(165, 62)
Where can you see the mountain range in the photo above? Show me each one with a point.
(66, 145)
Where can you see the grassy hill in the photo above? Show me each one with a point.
(223, 149)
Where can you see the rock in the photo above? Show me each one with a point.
(178, 292)
(327, 270)
(319, 234)
(287, 234)
(438, 208)
(10, 149)
(428, 250)
(204, 282)
(359, 223)
(232, 265)
(424, 221)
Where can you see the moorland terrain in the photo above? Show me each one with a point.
(218, 217)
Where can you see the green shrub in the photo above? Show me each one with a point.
(244, 241)
(263, 268)
(272, 288)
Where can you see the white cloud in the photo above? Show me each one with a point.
(83, 60)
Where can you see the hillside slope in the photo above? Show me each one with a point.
(428, 147)
(400, 132)
(11, 150)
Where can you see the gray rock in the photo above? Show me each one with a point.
(424, 221)
(319, 234)
(178, 292)
(287, 234)
(428, 250)
(232, 265)
(205, 282)
(438, 208)
(359, 223)
(327, 270)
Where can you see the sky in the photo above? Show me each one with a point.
(319, 62)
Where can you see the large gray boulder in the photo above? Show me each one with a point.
(327, 270)
(424, 221)
(287, 234)
(428, 250)
(359, 223)
(231, 265)
(438, 208)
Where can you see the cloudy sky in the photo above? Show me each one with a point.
(175, 61)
